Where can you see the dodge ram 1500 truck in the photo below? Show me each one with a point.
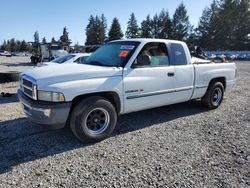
(122, 76)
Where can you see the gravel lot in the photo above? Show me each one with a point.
(14, 63)
(180, 145)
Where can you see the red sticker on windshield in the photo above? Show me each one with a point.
(123, 53)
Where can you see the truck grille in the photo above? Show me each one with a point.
(28, 86)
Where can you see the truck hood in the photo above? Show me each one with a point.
(70, 72)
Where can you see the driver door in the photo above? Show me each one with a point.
(149, 85)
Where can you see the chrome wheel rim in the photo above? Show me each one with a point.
(97, 121)
(216, 97)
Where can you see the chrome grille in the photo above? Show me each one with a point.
(28, 86)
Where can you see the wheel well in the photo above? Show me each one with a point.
(219, 79)
(112, 97)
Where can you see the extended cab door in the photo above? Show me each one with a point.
(150, 85)
(180, 60)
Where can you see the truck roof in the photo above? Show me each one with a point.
(145, 40)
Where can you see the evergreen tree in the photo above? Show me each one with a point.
(8, 46)
(132, 28)
(102, 28)
(12, 44)
(64, 39)
(36, 37)
(207, 26)
(242, 31)
(23, 46)
(44, 40)
(155, 26)
(96, 30)
(3, 47)
(146, 30)
(53, 40)
(164, 25)
(225, 26)
(115, 31)
(181, 26)
(91, 38)
(233, 25)
(36, 46)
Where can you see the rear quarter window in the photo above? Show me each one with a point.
(178, 56)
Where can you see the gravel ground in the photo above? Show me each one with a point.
(15, 63)
(180, 145)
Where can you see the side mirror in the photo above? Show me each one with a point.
(142, 60)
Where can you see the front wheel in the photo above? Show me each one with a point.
(214, 95)
(93, 119)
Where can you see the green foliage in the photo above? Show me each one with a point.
(44, 41)
(16, 46)
(181, 26)
(115, 31)
(64, 39)
(36, 37)
(225, 25)
(146, 28)
(53, 40)
(132, 27)
(96, 30)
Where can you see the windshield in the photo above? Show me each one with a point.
(62, 59)
(113, 54)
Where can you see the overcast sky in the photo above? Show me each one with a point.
(19, 19)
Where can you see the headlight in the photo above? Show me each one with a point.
(50, 96)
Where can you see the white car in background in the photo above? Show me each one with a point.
(65, 59)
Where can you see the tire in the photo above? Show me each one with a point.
(93, 119)
(213, 96)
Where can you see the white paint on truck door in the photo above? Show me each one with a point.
(151, 85)
(184, 72)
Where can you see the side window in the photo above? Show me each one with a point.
(157, 53)
(178, 55)
(77, 60)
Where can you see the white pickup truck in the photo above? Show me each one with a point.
(120, 77)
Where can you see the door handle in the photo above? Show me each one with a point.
(170, 74)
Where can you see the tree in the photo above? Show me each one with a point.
(181, 26)
(36, 46)
(44, 40)
(132, 28)
(164, 25)
(96, 30)
(102, 28)
(155, 26)
(64, 39)
(91, 31)
(233, 25)
(53, 40)
(3, 46)
(225, 25)
(12, 44)
(146, 28)
(36, 37)
(23, 46)
(115, 31)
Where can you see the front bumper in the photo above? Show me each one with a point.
(46, 113)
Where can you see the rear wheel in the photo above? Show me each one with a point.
(93, 119)
(214, 95)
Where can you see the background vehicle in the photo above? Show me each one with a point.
(121, 77)
(47, 52)
(69, 58)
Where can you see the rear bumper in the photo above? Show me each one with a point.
(46, 113)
